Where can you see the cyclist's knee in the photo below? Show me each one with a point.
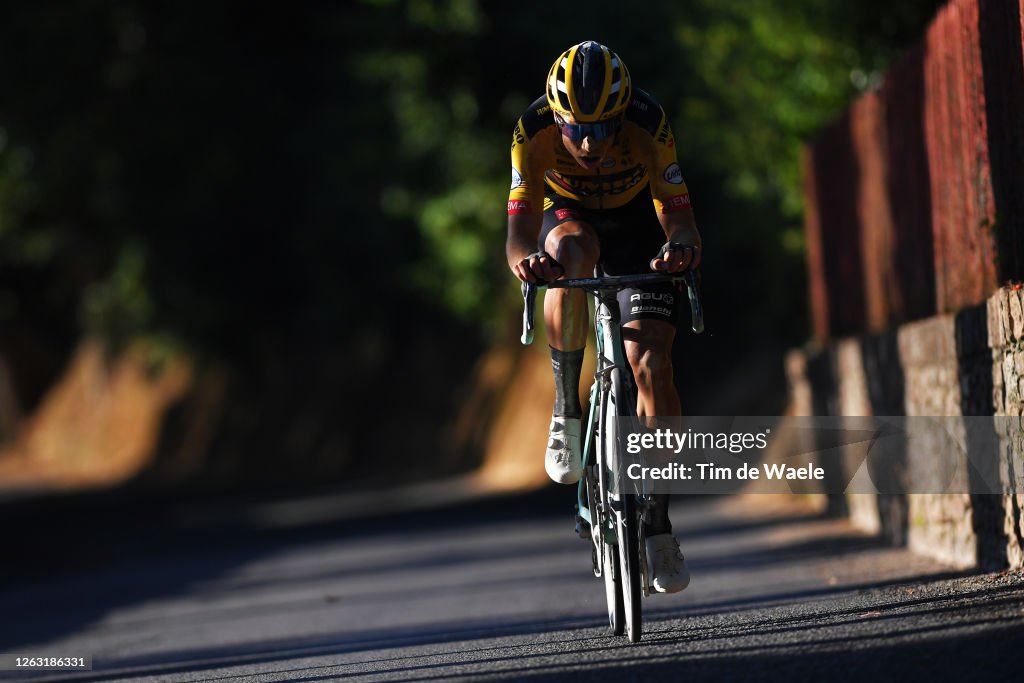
(576, 247)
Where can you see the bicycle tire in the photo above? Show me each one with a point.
(598, 500)
(613, 589)
(628, 527)
(629, 561)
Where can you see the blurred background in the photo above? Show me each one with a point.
(247, 249)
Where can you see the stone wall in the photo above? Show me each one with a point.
(966, 364)
(1006, 339)
(915, 214)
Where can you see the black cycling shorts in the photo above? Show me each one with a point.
(630, 236)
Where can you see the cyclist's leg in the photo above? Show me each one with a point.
(649, 317)
(574, 244)
(567, 237)
(649, 350)
(648, 345)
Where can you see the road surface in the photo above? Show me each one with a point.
(494, 589)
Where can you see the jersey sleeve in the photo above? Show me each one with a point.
(667, 185)
(526, 194)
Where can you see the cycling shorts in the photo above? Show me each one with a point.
(630, 236)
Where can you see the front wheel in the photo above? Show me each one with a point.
(628, 526)
(629, 562)
(613, 590)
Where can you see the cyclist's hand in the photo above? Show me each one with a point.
(676, 258)
(538, 267)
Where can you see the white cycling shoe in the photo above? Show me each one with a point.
(666, 564)
(562, 459)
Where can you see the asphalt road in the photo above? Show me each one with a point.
(327, 589)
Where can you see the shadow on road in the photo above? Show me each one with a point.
(132, 551)
(902, 635)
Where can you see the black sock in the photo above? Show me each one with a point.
(659, 522)
(567, 366)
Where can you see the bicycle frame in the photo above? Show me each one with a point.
(610, 355)
(615, 516)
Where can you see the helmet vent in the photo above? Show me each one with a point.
(589, 82)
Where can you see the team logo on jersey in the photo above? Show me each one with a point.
(518, 206)
(677, 203)
(517, 136)
(674, 174)
(663, 133)
(517, 179)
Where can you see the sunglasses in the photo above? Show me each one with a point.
(598, 131)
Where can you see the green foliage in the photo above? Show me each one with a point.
(463, 229)
(746, 82)
(120, 305)
(775, 79)
(216, 172)
(19, 243)
(769, 74)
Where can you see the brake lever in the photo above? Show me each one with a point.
(696, 308)
(529, 291)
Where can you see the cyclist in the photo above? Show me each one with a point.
(595, 180)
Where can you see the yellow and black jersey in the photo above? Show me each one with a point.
(643, 153)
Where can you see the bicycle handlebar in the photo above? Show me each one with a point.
(615, 283)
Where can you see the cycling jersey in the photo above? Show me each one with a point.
(643, 153)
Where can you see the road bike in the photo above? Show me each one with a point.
(611, 509)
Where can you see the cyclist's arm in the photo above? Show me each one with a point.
(672, 202)
(523, 231)
(681, 228)
(525, 209)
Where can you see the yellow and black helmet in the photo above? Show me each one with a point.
(589, 83)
